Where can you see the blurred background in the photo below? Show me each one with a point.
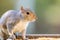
(47, 11)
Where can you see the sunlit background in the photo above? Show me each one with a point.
(47, 11)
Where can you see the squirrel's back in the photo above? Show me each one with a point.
(6, 15)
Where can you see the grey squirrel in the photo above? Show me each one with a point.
(14, 21)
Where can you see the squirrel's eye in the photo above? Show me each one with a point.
(27, 13)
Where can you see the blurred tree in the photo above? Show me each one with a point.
(6, 5)
(48, 13)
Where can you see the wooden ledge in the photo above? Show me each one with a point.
(41, 36)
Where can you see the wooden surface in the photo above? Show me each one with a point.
(41, 37)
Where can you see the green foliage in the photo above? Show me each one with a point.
(48, 12)
(5, 5)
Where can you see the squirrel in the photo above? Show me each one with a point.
(14, 21)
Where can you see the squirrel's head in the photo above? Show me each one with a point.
(28, 15)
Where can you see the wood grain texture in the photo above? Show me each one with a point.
(40, 37)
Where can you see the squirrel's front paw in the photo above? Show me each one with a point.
(9, 39)
(26, 39)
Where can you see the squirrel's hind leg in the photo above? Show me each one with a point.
(9, 29)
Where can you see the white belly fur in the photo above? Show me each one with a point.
(20, 26)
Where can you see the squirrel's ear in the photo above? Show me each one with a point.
(22, 8)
